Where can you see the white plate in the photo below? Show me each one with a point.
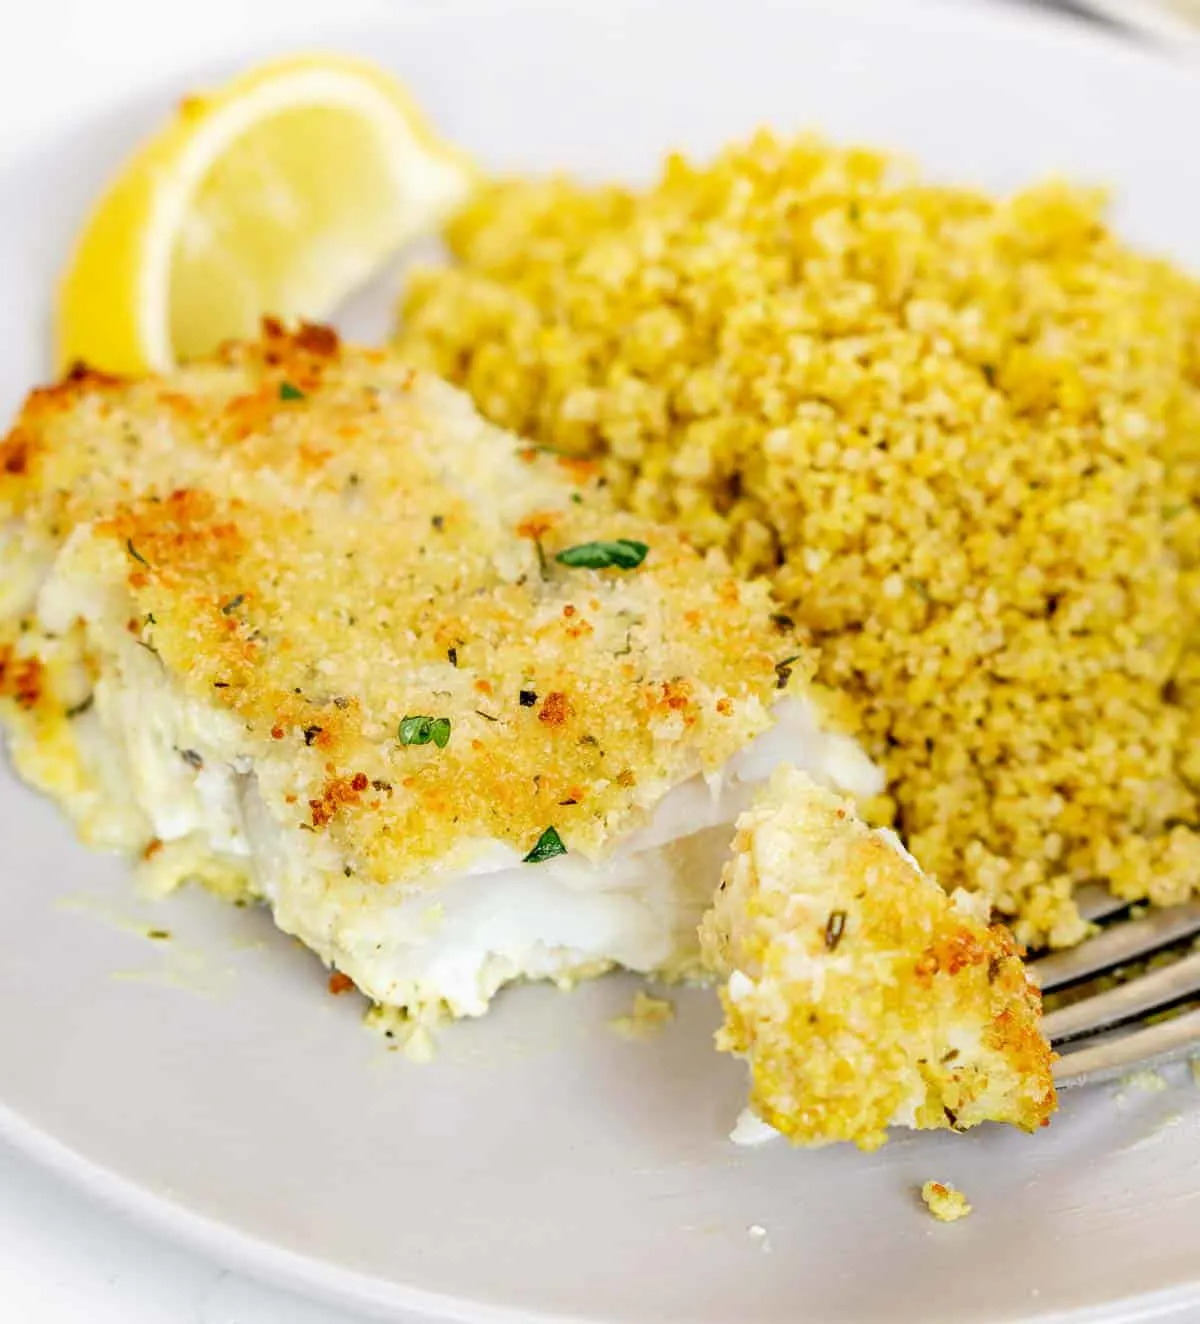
(1174, 21)
(541, 1167)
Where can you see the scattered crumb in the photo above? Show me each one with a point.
(756, 1232)
(339, 983)
(750, 1129)
(649, 1015)
(944, 1202)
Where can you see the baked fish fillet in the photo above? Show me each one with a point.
(298, 623)
(861, 994)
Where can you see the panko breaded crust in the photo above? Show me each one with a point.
(317, 541)
(860, 994)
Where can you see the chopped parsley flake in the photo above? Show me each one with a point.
(233, 604)
(423, 730)
(311, 733)
(548, 845)
(81, 707)
(623, 554)
(289, 392)
(133, 551)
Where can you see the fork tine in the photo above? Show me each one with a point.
(1111, 1057)
(1117, 945)
(1095, 901)
(1157, 988)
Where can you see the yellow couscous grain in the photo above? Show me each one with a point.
(960, 433)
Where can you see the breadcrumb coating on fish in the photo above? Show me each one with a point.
(961, 433)
(319, 543)
(860, 994)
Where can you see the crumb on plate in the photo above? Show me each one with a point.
(945, 1203)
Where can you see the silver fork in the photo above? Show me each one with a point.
(1107, 1032)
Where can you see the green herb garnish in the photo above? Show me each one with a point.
(133, 551)
(549, 844)
(81, 707)
(289, 392)
(159, 935)
(233, 604)
(623, 554)
(423, 730)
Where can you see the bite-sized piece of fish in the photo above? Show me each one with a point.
(861, 995)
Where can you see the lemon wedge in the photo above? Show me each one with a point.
(279, 193)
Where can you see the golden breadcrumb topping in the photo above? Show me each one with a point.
(961, 434)
(945, 1203)
(416, 619)
(860, 994)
